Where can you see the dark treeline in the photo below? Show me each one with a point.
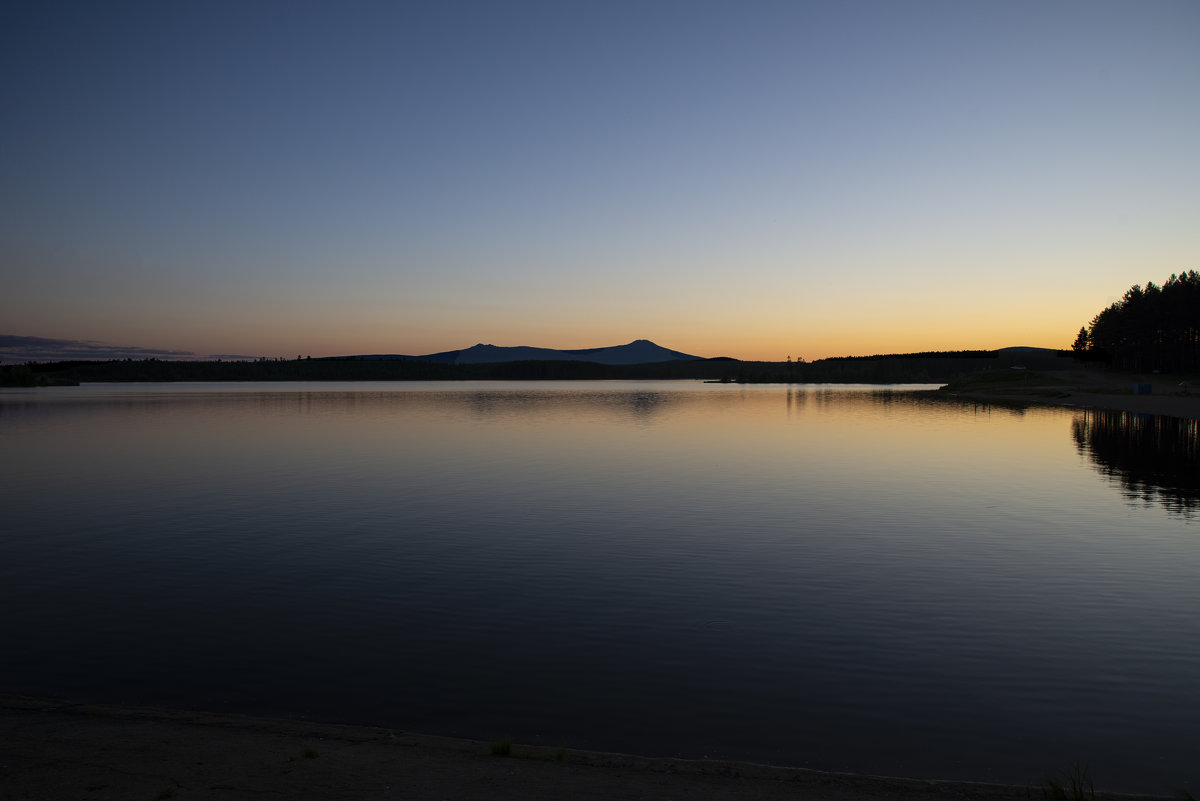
(929, 354)
(933, 367)
(348, 369)
(1150, 327)
(936, 367)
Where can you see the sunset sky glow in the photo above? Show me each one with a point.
(750, 179)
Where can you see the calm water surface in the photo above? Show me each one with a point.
(852, 579)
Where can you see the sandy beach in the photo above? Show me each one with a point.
(60, 750)
(1098, 389)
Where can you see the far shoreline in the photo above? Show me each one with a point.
(1085, 388)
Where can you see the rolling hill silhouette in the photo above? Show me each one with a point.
(640, 351)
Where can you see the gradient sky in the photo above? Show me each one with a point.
(751, 179)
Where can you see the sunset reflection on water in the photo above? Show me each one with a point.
(863, 579)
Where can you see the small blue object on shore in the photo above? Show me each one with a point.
(1141, 389)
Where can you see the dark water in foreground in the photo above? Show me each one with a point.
(843, 579)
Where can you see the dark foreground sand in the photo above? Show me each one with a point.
(59, 750)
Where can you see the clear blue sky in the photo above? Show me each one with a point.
(754, 179)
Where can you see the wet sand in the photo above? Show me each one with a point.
(60, 750)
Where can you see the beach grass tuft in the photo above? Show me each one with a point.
(501, 747)
(1078, 786)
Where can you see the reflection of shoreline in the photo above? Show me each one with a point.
(1153, 458)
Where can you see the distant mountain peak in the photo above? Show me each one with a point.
(639, 351)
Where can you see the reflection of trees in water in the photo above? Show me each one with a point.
(797, 399)
(645, 404)
(1154, 459)
(488, 404)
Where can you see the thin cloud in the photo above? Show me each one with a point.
(18, 349)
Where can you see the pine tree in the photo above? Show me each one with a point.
(1081, 341)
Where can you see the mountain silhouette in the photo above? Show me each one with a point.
(640, 351)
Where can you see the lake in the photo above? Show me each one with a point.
(855, 579)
